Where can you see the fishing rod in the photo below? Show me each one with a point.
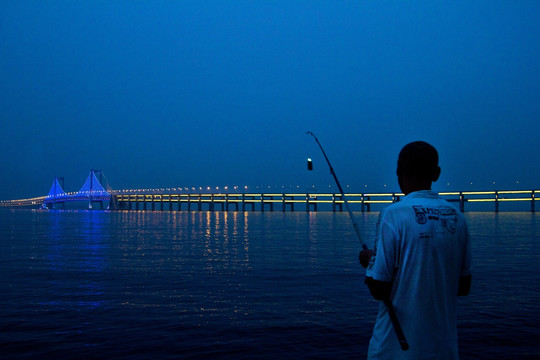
(397, 327)
(355, 224)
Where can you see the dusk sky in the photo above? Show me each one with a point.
(221, 93)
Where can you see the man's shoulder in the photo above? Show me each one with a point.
(397, 211)
(425, 198)
(420, 203)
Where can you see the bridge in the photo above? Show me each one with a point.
(92, 191)
(160, 201)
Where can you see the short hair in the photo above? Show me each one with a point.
(418, 159)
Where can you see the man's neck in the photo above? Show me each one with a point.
(408, 188)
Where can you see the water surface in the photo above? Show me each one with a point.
(98, 284)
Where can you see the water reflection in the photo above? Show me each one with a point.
(77, 256)
(226, 241)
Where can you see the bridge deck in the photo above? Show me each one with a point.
(123, 200)
(308, 201)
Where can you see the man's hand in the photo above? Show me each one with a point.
(365, 257)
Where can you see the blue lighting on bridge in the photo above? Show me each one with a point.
(91, 191)
(56, 191)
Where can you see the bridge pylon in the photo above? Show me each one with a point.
(93, 189)
(56, 194)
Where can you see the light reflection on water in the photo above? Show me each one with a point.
(235, 285)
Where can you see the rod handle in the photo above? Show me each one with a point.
(397, 327)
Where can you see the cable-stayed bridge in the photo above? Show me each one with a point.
(96, 189)
(92, 191)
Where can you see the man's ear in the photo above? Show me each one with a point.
(436, 174)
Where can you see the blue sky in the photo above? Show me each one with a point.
(221, 93)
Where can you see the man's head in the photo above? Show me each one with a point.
(418, 167)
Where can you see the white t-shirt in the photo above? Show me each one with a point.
(422, 246)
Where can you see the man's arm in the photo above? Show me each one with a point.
(464, 285)
(380, 290)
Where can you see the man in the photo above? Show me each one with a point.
(421, 262)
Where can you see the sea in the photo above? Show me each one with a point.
(96, 284)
